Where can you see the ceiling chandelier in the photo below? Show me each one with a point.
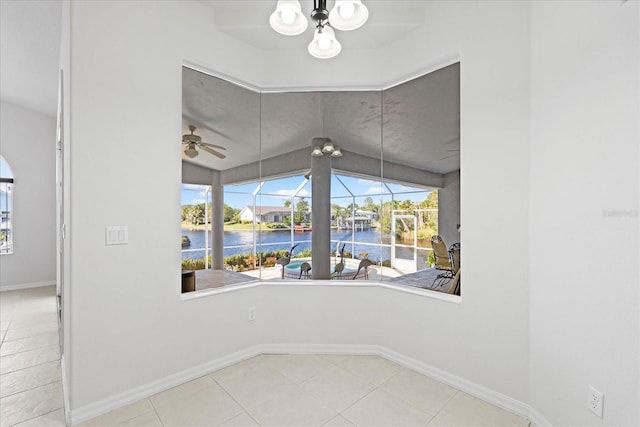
(346, 15)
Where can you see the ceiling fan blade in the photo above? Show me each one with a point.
(212, 151)
(220, 147)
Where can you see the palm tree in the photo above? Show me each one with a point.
(186, 212)
(337, 212)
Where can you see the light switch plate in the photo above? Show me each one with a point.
(116, 235)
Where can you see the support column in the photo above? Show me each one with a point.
(321, 213)
(449, 208)
(217, 222)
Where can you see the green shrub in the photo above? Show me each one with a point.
(306, 253)
(236, 261)
(431, 259)
(276, 225)
(193, 264)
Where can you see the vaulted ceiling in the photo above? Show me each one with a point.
(420, 118)
(416, 123)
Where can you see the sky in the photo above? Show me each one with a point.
(276, 192)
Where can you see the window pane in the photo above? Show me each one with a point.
(6, 208)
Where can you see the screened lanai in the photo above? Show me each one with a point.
(387, 223)
(360, 202)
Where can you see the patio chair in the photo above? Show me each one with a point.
(454, 253)
(455, 284)
(443, 261)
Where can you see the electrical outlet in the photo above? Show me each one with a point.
(596, 401)
(252, 314)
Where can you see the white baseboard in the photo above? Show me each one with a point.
(347, 349)
(146, 390)
(536, 418)
(19, 286)
(481, 392)
(505, 402)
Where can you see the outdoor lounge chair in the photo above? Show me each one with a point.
(455, 284)
(443, 261)
(454, 254)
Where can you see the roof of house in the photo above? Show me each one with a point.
(264, 210)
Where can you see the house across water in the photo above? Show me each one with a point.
(264, 214)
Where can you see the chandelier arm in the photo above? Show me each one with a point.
(320, 13)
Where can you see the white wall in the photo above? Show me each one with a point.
(27, 142)
(585, 326)
(125, 301)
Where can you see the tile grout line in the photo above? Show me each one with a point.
(413, 406)
(4, 333)
(153, 409)
(34, 325)
(30, 349)
(32, 388)
(31, 326)
(376, 387)
(446, 403)
(37, 416)
(234, 399)
(31, 366)
(380, 388)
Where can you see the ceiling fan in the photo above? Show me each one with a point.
(192, 140)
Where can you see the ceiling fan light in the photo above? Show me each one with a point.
(336, 153)
(191, 152)
(348, 15)
(324, 44)
(328, 147)
(316, 152)
(288, 19)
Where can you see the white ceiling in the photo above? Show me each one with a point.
(29, 49)
(29, 52)
(248, 20)
(30, 38)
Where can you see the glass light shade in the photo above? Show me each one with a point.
(336, 153)
(317, 152)
(191, 152)
(324, 44)
(288, 18)
(328, 147)
(348, 15)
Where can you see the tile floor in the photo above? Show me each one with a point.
(267, 390)
(30, 376)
